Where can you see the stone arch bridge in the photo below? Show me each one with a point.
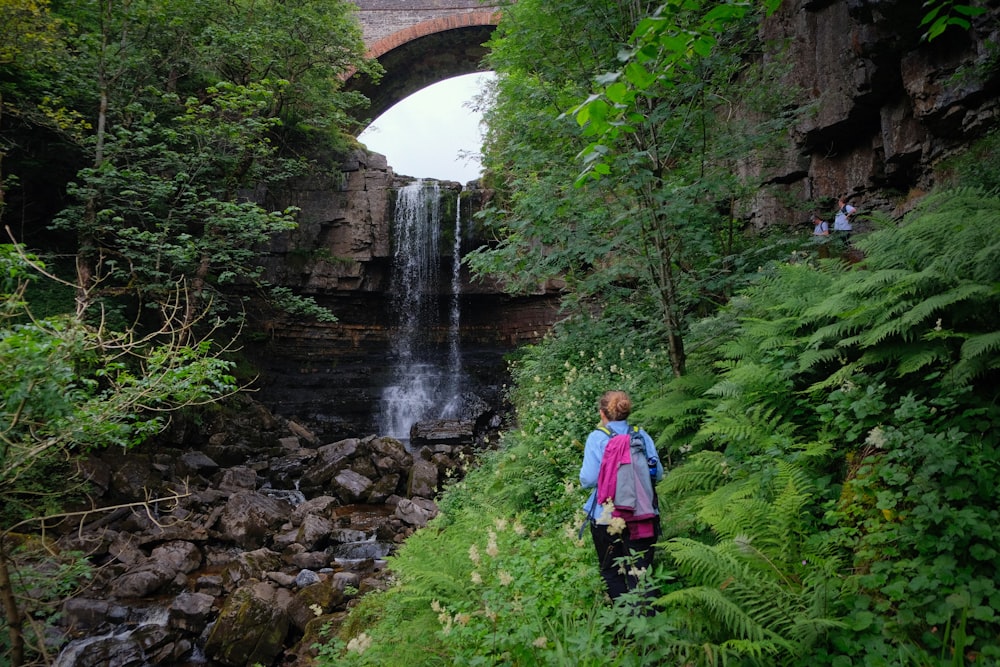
(421, 42)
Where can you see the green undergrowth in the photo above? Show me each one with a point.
(830, 500)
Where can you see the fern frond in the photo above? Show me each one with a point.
(727, 427)
(813, 357)
(702, 472)
(888, 325)
(967, 370)
(725, 388)
(863, 287)
(838, 378)
(746, 605)
(933, 305)
(734, 509)
(742, 348)
(978, 345)
(921, 359)
(443, 575)
(703, 564)
(833, 333)
(725, 612)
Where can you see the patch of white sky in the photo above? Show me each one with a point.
(433, 133)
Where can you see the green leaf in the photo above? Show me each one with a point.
(931, 15)
(639, 76)
(969, 10)
(616, 92)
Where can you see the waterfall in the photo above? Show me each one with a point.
(120, 645)
(454, 341)
(425, 379)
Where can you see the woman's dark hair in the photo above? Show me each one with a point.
(616, 405)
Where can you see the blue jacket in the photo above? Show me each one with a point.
(593, 451)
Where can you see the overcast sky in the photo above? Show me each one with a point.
(423, 135)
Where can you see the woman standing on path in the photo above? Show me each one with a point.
(611, 539)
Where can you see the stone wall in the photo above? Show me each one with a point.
(384, 31)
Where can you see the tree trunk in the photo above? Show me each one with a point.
(8, 600)
(193, 302)
(86, 243)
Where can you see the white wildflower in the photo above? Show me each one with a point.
(616, 526)
(491, 546)
(541, 642)
(607, 507)
(876, 438)
(360, 644)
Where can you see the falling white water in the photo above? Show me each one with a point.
(122, 637)
(451, 409)
(425, 378)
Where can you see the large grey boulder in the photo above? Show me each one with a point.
(414, 512)
(443, 431)
(249, 518)
(314, 532)
(350, 486)
(330, 460)
(423, 479)
(190, 611)
(162, 567)
(251, 627)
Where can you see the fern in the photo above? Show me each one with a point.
(938, 303)
(981, 345)
(672, 417)
(443, 574)
(729, 616)
(812, 358)
(702, 472)
(924, 287)
(734, 509)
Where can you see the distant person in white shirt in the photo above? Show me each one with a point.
(820, 226)
(842, 223)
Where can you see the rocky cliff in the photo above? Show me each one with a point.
(883, 107)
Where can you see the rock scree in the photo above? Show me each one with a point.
(241, 550)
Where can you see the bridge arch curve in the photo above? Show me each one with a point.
(423, 53)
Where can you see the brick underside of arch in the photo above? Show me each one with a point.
(424, 28)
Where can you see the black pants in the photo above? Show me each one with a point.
(619, 575)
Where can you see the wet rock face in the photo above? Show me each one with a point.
(330, 376)
(243, 559)
(884, 106)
